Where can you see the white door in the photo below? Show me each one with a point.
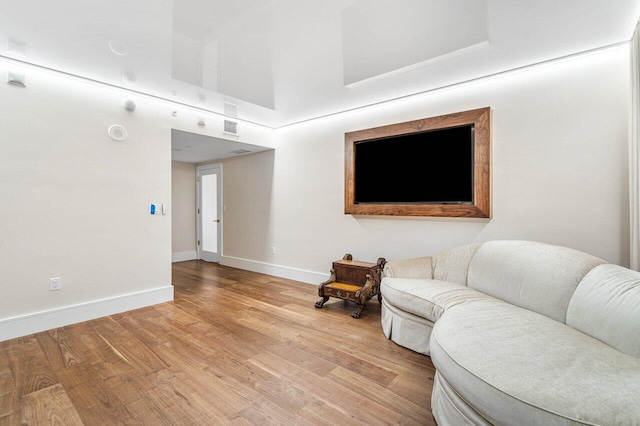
(208, 210)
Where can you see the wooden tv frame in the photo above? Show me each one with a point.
(480, 207)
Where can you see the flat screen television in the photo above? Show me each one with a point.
(437, 166)
(432, 167)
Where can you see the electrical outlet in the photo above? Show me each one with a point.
(55, 283)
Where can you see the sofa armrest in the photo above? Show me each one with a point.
(419, 267)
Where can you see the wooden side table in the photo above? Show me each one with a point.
(352, 280)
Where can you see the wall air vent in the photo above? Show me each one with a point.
(240, 151)
(230, 110)
(230, 127)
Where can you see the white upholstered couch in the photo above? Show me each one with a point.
(520, 333)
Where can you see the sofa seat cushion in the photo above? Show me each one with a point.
(514, 366)
(426, 298)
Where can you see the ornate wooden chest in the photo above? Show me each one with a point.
(352, 280)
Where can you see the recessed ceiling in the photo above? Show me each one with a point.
(194, 148)
(284, 61)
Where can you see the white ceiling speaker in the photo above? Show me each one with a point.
(117, 132)
(118, 47)
(129, 105)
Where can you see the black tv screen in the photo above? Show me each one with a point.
(432, 167)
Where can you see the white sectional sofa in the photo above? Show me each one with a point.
(520, 333)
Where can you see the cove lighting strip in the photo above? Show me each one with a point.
(337, 113)
(76, 77)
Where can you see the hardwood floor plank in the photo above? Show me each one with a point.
(413, 388)
(266, 412)
(30, 368)
(49, 406)
(329, 392)
(189, 395)
(9, 401)
(96, 400)
(321, 413)
(57, 349)
(234, 347)
(14, 419)
(381, 395)
(211, 381)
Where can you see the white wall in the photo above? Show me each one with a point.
(75, 204)
(248, 182)
(560, 135)
(183, 215)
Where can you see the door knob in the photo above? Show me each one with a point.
(216, 220)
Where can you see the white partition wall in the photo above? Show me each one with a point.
(634, 154)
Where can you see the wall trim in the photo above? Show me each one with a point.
(181, 256)
(308, 277)
(23, 325)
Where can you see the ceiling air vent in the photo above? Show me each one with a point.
(230, 127)
(240, 151)
(230, 110)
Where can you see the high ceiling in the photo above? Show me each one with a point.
(285, 61)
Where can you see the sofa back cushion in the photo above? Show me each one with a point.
(535, 276)
(453, 265)
(606, 305)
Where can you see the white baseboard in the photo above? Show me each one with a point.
(24, 325)
(183, 255)
(308, 277)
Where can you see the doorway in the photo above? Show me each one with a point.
(209, 212)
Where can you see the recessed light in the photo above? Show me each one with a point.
(240, 151)
(118, 47)
(129, 78)
(117, 132)
(174, 113)
(174, 93)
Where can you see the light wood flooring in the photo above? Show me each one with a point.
(234, 347)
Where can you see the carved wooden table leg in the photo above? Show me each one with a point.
(357, 312)
(321, 292)
(322, 301)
